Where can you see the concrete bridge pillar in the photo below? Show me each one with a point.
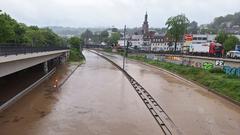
(67, 55)
(45, 67)
(63, 58)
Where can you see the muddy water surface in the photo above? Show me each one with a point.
(193, 109)
(96, 100)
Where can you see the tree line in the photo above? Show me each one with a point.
(18, 33)
(219, 24)
(102, 37)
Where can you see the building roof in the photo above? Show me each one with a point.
(137, 36)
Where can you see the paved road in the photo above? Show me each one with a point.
(193, 109)
(96, 100)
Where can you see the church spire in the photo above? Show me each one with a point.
(146, 17)
(145, 27)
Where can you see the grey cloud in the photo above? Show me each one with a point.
(93, 13)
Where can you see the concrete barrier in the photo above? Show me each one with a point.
(229, 66)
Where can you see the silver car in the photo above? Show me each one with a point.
(233, 54)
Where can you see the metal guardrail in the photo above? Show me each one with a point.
(177, 53)
(136, 51)
(96, 46)
(6, 50)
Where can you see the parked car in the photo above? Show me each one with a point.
(237, 48)
(233, 54)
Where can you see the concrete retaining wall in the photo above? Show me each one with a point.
(230, 66)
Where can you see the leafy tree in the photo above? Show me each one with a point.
(207, 30)
(177, 27)
(96, 37)
(221, 37)
(50, 38)
(230, 42)
(222, 22)
(63, 41)
(114, 30)
(113, 40)
(20, 31)
(87, 35)
(13, 32)
(34, 28)
(75, 42)
(104, 34)
(75, 49)
(34, 36)
(6, 28)
(193, 27)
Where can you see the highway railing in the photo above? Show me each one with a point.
(177, 53)
(6, 50)
(96, 46)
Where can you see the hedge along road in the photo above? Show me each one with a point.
(96, 100)
(194, 110)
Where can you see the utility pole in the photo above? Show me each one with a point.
(124, 54)
(80, 47)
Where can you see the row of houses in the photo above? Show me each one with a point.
(161, 42)
(153, 43)
(149, 40)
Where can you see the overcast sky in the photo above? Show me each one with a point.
(107, 13)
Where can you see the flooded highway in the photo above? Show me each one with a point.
(8, 90)
(194, 110)
(96, 100)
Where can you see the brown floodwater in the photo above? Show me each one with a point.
(10, 86)
(96, 100)
(194, 110)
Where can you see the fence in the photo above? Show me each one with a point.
(11, 49)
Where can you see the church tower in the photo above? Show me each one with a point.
(145, 26)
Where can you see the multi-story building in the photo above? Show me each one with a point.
(158, 44)
(164, 43)
(137, 41)
(121, 41)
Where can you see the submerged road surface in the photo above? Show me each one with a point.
(96, 100)
(194, 110)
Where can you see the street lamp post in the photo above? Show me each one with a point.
(124, 42)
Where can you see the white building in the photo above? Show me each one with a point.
(211, 37)
(163, 43)
(158, 44)
(121, 42)
(137, 41)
